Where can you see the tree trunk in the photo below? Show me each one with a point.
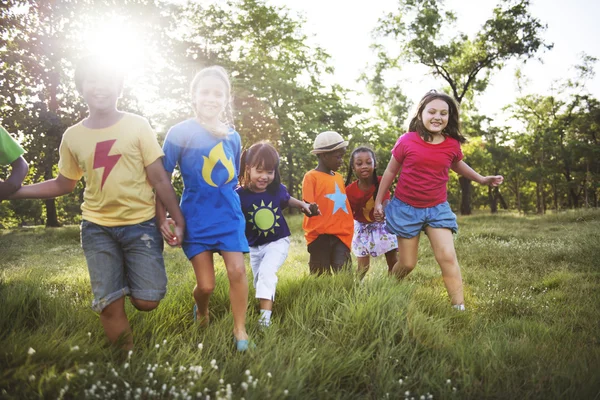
(493, 200)
(465, 199)
(290, 180)
(503, 202)
(538, 198)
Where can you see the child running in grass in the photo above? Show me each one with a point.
(120, 158)
(11, 153)
(370, 237)
(425, 154)
(207, 151)
(328, 235)
(263, 199)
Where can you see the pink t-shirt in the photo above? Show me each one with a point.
(425, 166)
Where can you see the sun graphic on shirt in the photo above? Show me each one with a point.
(264, 218)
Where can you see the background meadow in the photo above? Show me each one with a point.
(532, 330)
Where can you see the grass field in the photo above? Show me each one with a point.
(531, 331)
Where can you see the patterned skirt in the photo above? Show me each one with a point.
(372, 239)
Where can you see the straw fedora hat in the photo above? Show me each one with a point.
(328, 141)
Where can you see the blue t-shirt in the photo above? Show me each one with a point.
(209, 167)
(264, 219)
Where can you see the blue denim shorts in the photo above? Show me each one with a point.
(124, 260)
(407, 221)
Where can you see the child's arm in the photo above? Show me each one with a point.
(463, 169)
(305, 207)
(386, 181)
(19, 170)
(166, 197)
(50, 189)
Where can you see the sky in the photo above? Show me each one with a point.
(344, 29)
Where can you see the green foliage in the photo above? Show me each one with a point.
(530, 329)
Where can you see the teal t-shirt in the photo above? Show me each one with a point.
(9, 148)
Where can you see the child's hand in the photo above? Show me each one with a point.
(494, 180)
(310, 209)
(378, 212)
(168, 229)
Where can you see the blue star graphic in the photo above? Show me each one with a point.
(339, 199)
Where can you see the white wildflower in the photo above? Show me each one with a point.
(244, 386)
(74, 348)
(31, 351)
(285, 392)
(269, 375)
(31, 378)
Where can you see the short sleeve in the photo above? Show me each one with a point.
(172, 148)
(284, 197)
(308, 188)
(10, 150)
(67, 163)
(459, 154)
(149, 146)
(398, 151)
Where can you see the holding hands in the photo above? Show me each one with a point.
(172, 233)
(378, 212)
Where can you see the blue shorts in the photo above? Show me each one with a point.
(124, 260)
(407, 221)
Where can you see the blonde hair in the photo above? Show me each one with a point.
(227, 119)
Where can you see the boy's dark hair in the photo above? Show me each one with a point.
(363, 149)
(453, 127)
(263, 155)
(96, 64)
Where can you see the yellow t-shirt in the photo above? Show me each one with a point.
(113, 162)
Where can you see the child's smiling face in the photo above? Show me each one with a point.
(435, 116)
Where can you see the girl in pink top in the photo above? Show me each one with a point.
(426, 153)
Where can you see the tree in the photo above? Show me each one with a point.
(39, 44)
(422, 28)
(276, 77)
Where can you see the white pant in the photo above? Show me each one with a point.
(266, 260)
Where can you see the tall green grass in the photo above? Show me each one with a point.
(532, 328)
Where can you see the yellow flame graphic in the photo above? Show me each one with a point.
(217, 154)
(367, 209)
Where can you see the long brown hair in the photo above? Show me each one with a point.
(260, 155)
(452, 129)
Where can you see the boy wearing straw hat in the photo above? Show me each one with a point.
(329, 235)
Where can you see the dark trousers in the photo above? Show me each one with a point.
(328, 253)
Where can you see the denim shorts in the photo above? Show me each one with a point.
(124, 260)
(407, 221)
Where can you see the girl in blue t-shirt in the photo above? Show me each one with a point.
(207, 149)
(263, 198)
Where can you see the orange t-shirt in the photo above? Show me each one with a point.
(329, 192)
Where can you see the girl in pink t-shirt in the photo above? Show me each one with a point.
(426, 153)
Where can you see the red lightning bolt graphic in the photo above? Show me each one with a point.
(102, 159)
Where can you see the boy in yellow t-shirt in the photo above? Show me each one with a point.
(120, 158)
(328, 235)
(11, 154)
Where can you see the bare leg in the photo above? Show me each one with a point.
(442, 245)
(363, 265)
(391, 258)
(144, 305)
(238, 291)
(407, 256)
(266, 304)
(115, 324)
(204, 269)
